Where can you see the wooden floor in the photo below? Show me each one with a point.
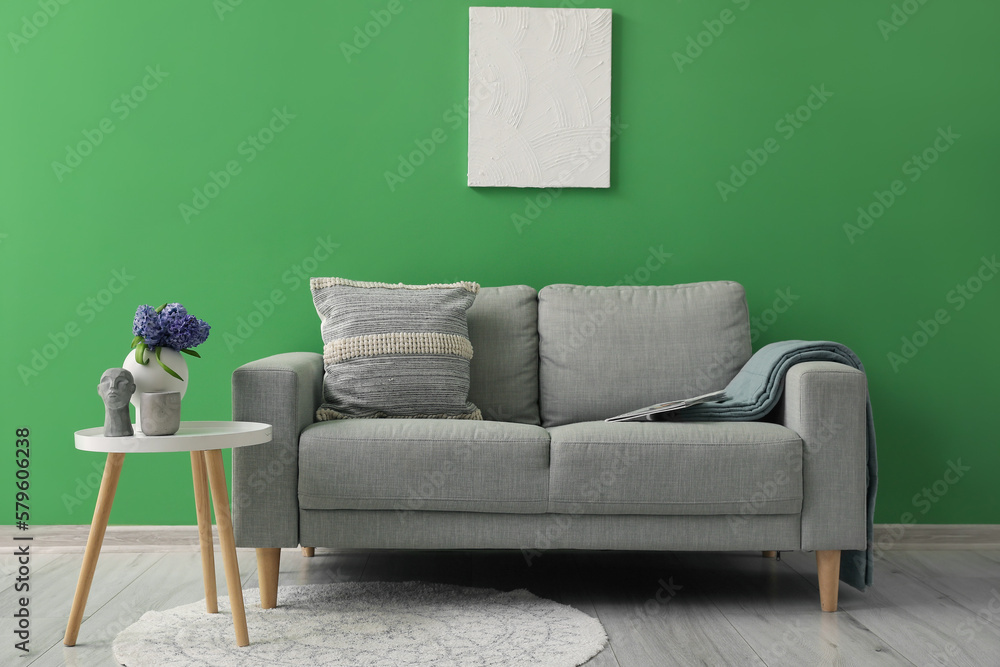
(927, 608)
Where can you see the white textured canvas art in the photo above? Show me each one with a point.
(539, 97)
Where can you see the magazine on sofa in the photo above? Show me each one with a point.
(646, 413)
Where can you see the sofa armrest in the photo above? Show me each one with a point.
(284, 391)
(825, 403)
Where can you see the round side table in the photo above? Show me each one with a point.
(204, 440)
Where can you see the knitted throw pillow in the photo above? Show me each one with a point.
(394, 350)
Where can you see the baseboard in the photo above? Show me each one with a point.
(121, 539)
(73, 539)
(890, 536)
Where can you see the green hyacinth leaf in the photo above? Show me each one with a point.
(191, 352)
(136, 341)
(165, 367)
(160, 309)
(139, 354)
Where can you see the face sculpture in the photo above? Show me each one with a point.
(116, 388)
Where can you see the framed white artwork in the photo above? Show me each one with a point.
(539, 97)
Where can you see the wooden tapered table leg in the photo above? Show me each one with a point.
(308, 552)
(220, 499)
(828, 571)
(769, 554)
(105, 498)
(201, 502)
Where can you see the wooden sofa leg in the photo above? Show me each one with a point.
(268, 561)
(828, 570)
(308, 552)
(769, 554)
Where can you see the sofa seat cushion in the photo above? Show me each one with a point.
(424, 464)
(745, 468)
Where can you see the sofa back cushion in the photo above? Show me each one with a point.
(503, 328)
(607, 350)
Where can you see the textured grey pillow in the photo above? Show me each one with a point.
(395, 350)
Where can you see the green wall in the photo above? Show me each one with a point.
(67, 231)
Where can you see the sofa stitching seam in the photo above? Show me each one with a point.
(676, 444)
(668, 502)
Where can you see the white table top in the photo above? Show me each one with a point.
(191, 437)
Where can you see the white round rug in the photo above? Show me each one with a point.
(372, 624)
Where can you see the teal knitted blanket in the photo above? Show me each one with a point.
(758, 387)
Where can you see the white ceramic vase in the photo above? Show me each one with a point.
(150, 377)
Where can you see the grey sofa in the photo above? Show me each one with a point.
(543, 470)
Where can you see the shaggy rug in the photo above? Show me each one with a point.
(371, 624)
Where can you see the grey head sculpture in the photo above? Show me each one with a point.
(116, 388)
